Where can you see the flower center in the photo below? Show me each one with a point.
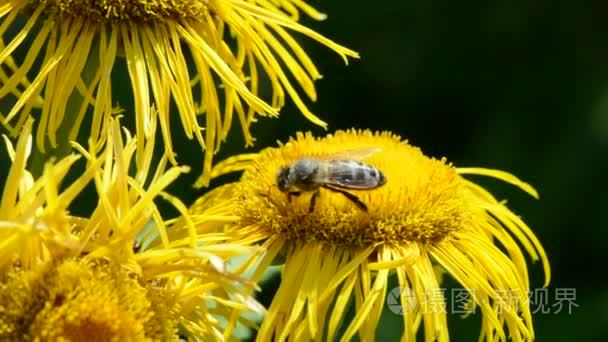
(129, 10)
(423, 199)
(79, 300)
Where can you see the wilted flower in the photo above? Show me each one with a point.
(426, 216)
(79, 277)
(73, 46)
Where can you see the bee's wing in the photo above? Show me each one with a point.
(351, 174)
(351, 154)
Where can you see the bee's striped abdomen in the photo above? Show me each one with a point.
(353, 174)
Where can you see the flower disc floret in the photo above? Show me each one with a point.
(423, 200)
(128, 10)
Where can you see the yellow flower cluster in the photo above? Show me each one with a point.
(124, 272)
(79, 278)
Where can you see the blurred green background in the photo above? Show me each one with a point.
(520, 86)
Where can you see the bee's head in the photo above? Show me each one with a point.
(283, 179)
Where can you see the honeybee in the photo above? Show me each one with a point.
(336, 172)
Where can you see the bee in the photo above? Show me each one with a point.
(336, 172)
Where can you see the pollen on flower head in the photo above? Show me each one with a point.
(80, 300)
(423, 200)
(128, 10)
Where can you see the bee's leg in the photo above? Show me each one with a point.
(292, 194)
(313, 201)
(348, 195)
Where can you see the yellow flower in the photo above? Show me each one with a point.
(184, 279)
(231, 44)
(426, 216)
(81, 300)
